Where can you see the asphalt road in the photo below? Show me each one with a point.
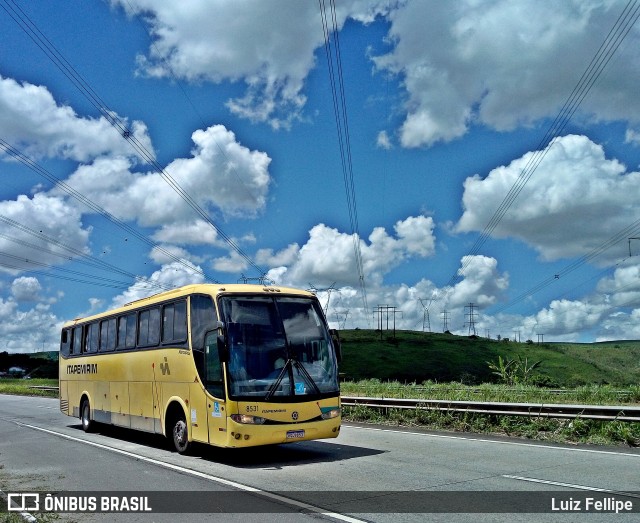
(367, 474)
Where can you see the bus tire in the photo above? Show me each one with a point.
(85, 416)
(180, 433)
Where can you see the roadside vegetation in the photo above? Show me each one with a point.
(28, 387)
(419, 365)
(447, 367)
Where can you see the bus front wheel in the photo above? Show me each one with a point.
(180, 434)
(85, 416)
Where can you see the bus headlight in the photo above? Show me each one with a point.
(330, 414)
(246, 419)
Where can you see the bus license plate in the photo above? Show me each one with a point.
(295, 434)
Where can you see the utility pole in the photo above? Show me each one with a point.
(384, 309)
(260, 280)
(445, 320)
(540, 339)
(472, 318)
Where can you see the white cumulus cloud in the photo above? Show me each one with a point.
(576, 200)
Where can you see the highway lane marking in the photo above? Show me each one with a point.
(482, 440)
(202, 475)
(571, 485)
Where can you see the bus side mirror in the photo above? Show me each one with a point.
(335, 338)
(223, 346)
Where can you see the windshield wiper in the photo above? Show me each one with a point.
(278, 380)
(306, 376)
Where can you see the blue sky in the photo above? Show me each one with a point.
(446, 103)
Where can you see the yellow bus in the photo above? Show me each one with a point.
(228, 365)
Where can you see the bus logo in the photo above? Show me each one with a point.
(164, 367)
(294, 415)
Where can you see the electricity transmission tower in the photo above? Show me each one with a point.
(425, 316)
(472, 318)
(445, 320)
(328, 290)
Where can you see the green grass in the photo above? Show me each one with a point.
(539, 429)
(415, 357)
(24, 387)
(587, 394)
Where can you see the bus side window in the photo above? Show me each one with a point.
(180, 321)
(154, 326)
(112, 334)
(126, 332)
(174, 322)
(65, 342)
(77, 340)
(168, 316)
(143, 328)
(130, 341)
(107, 335)
(122, 332)
(214, 378)
(92, 333)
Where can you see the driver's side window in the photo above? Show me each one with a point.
(214, 377)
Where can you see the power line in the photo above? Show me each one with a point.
(612, 42)
(41, 41)
(68, 251)
(38, 169)
(342, 127)
(621, 235)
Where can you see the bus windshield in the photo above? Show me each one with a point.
(279, 348)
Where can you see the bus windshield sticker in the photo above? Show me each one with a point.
(299, 387)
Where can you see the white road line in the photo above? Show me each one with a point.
(571, 485)
(202, 475)
(498, 442)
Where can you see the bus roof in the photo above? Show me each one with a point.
(214, 289)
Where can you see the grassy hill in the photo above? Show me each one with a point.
(415, 357)
(418, 357)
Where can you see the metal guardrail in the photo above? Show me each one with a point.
(534, 410)
(547, 410)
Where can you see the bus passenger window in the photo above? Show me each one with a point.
(180, 321)
(154, 327)
(174, 322)
(112, 334)
(65, 342)
(92, 334)
(130, 341)
(143, 328)
(108, 335)
(77, 340)
(122, 332)
(167, 322)
(126, 332)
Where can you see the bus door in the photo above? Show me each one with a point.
(214, 383)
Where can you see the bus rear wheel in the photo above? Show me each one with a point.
(180, 434)
(85, 416)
